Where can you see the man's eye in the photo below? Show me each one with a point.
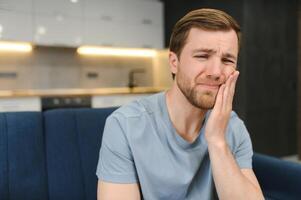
(201, 56)
(227, 61)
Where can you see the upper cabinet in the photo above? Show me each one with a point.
(15, 26)
(120, 23)
(130, 23)
(16, 20)
(24, 6)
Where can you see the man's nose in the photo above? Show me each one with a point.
(214, 70)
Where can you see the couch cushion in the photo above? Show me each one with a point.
(22, 161)
(73, 139)
(278, 179)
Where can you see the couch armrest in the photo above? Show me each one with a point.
(278, 179)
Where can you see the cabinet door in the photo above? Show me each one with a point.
(100, 32)
(140, 36)
(65, 31)
(16, 26)
(16, 5)
(130, 23)
(58, 7)
(100, 9)
(141, 12)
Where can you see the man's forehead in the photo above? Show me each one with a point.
(218, 41)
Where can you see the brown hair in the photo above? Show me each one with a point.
(206, 19)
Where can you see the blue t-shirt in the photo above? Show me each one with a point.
(140, 145)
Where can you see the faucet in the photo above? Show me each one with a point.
(132, 72)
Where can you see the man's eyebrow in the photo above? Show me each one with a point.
(210, 51)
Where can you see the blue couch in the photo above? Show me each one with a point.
(53, 155)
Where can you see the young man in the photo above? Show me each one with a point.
(184, 143)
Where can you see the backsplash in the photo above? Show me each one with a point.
(57, 67)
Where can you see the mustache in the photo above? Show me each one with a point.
(210, 84)
(208, 81)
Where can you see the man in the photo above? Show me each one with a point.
(184, 143)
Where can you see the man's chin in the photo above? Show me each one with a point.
(205, 101)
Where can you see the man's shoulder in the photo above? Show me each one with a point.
(139, 107)
(235, 120)
(236, 131)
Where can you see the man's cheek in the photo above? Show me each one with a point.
(228, 71)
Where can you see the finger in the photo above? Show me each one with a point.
(232, 89)
(219, 98)
(226, 92)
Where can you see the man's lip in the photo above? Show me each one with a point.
(209, 86)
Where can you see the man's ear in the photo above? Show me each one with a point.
(173, 62)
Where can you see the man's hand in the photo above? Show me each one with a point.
(220, 114)
(231, 182)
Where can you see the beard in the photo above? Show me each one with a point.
(201, 99)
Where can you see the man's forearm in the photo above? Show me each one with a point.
(230, 182)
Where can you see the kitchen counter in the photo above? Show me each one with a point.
(79, 92)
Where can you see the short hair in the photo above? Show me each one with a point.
(206, 19)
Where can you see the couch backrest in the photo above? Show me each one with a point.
(54, 156)
(73, 138)
(278, 179)
(22, 156)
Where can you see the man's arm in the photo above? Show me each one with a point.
(113, 191)
(116, 169)
(231, 182)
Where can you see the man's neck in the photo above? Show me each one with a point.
(186, 118)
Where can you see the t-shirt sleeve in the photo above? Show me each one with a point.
(116, 162)
(244, 151)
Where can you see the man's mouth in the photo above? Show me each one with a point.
(208, 86)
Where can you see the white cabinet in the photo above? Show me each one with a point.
(100, 9)
(13, 104)
(100, 32)
(24, 6)
(140, 35)
(55, 7)
(120, 23)
(57, 22)
(65, 31)
(131, 23)
(15, 26)
(141, 12)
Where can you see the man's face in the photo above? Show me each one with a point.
(206, 61)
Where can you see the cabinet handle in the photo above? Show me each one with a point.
(147, 21)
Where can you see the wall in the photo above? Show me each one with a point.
(57, 67)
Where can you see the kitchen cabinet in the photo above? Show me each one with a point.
(23, 6)
(65, 31)
(58, 7)
(57, 22)
(15, 26)
(141, 35)
(130, 23)
(119, 23)
(142, 12)
(20, 104)
(101, 32)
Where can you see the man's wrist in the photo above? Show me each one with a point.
(217, 144)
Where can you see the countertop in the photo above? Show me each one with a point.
(79, 91)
